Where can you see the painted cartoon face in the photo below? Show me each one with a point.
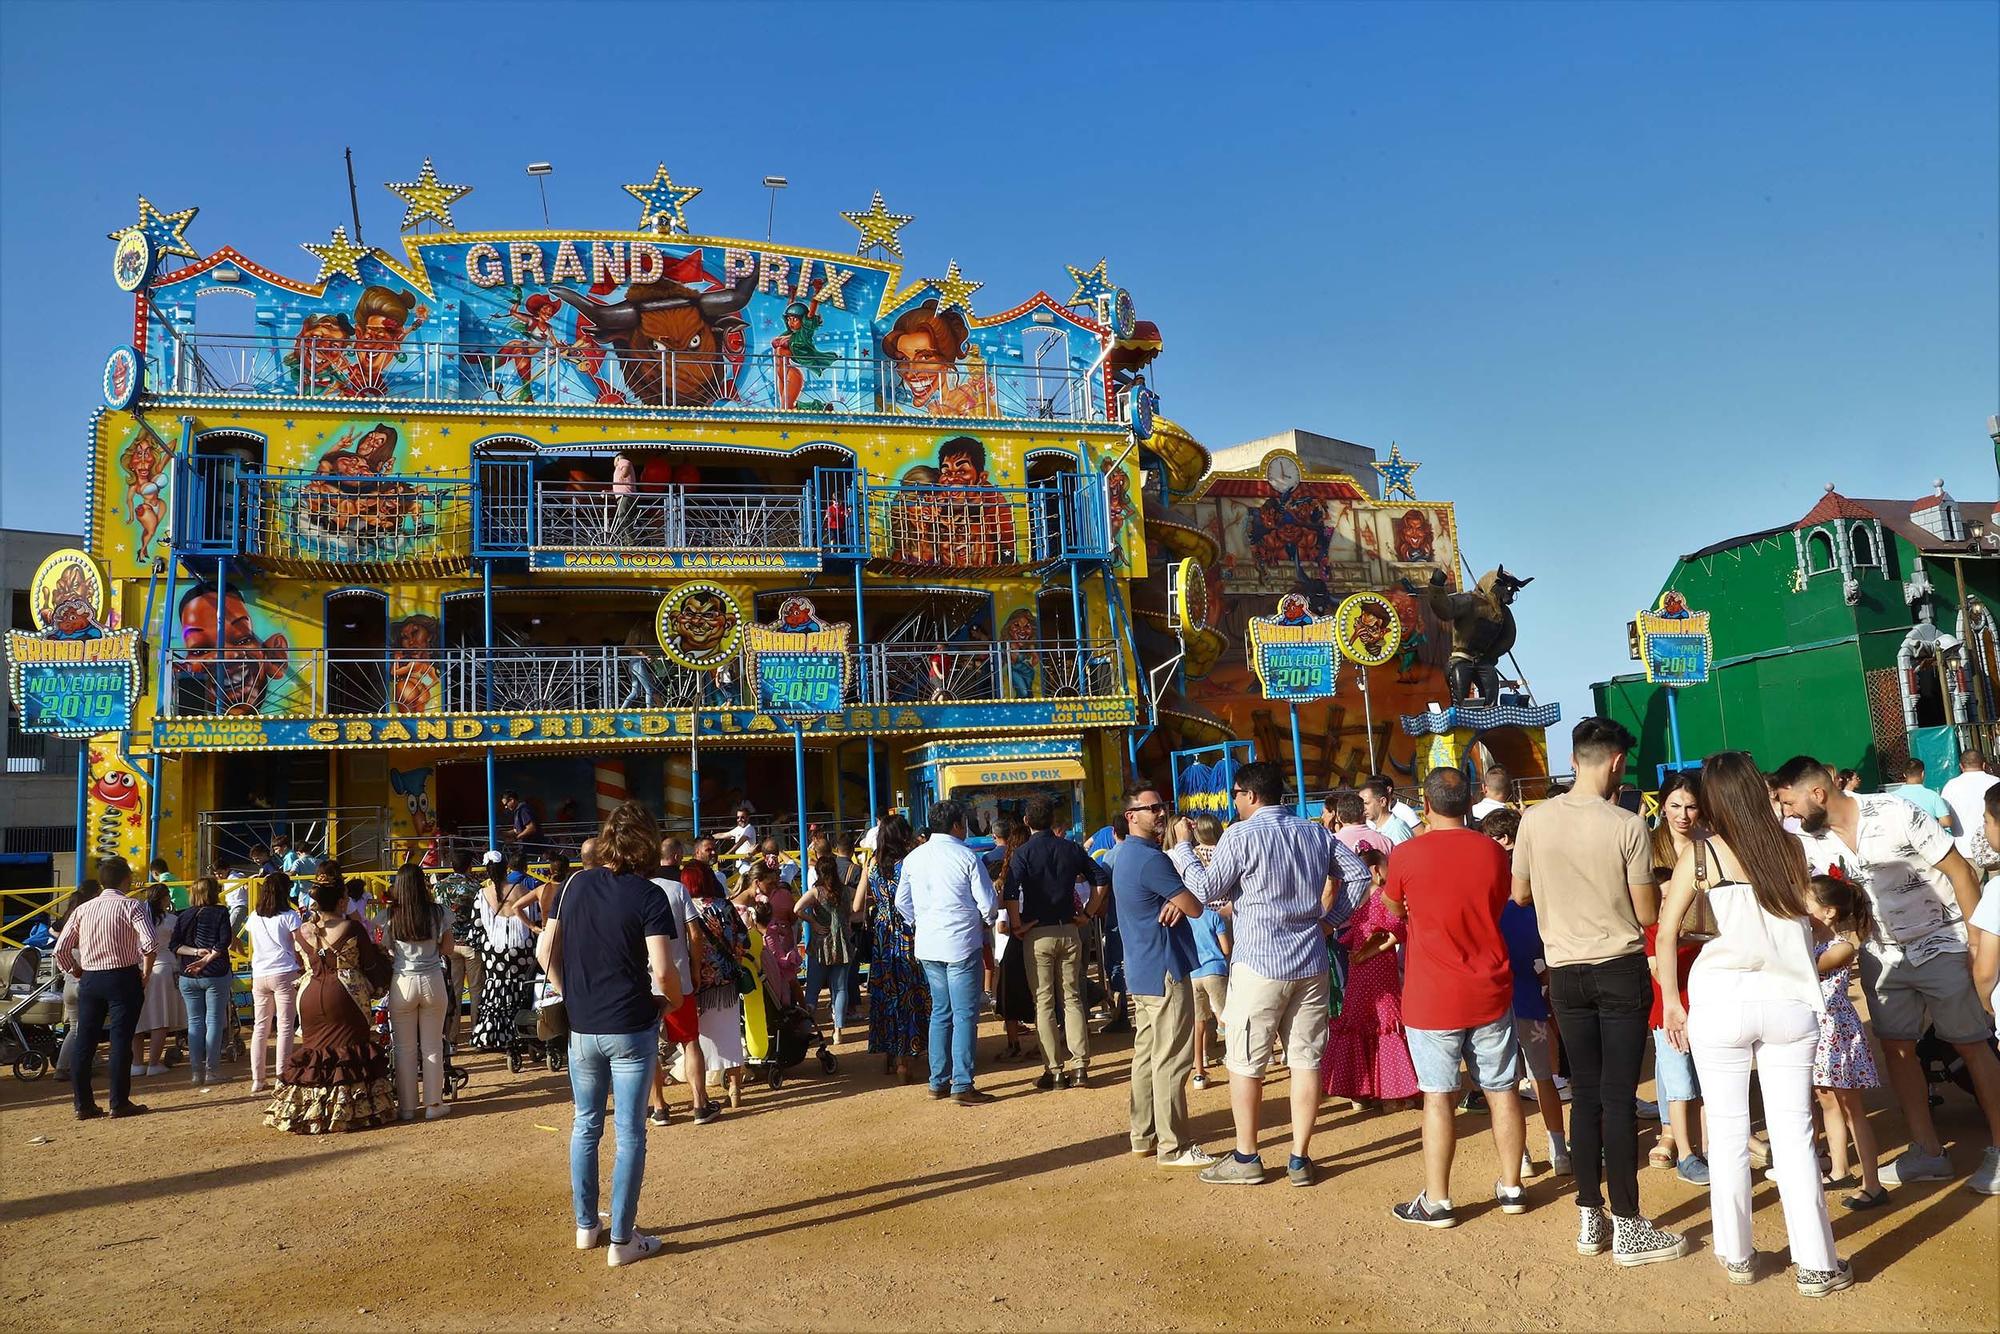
(379, 329)
(920, 363)
(1292, 608)
(116, 789)
(1371, 627)
(1020, 628)
(797, 613)
(376, 447)
(702, 623)
(414, 634)
(959, 470)
(322, 335)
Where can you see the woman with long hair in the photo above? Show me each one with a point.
(1676, 1087)
(163, 1009)
(419, 932)
(718, 943)
(274, 973)
(830, 952)
(899, 999)
(1753, 997)
(201, 946)
(508, 952)
(336, 1078)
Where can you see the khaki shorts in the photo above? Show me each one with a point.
(1211, 995)
(1261, 1012)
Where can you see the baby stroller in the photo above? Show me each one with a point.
(28, 1035)
(541, 1032)
(1943, 1065)
(794, 1034)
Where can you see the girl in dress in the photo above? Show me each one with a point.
(1842, 1064)
(1367, 1057)
(163, 1010)
(899, 999)
(508, 950)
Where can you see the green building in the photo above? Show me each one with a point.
(1861, 633)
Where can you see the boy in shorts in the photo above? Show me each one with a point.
(1532, 1026)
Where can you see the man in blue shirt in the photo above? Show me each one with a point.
(944, 890)
(1913, 790)
(1153, 908)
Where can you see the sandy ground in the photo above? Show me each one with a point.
(848, 1202)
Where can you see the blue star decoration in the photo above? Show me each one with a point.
(164, 230)
(1090, 284)
(1395, 471)
(661, 198)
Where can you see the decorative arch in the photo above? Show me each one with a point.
(1866, 550)
(1821, 554)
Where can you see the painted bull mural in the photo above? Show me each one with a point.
(677, 347)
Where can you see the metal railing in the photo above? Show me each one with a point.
(587, 373)
(610, 678)
(39, 753)
(340, 520)
(674, 517)
(354, 835)
(982, 527)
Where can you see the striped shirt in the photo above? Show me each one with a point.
(110, 931)
(1274, 867)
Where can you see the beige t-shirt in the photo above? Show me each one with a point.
(1580, 854)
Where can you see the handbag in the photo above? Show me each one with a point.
(374, 964)
(745, 983)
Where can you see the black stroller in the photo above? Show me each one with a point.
(794, 1035)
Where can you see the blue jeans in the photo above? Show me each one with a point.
(620, 1064)
(207, 1001)
(839, 978)
(954, 1021)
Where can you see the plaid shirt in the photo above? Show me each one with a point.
(1274, 867)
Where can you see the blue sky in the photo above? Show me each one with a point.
(1627, 279)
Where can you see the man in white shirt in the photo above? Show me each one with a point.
(1495, 798)
(944, 890)
(1916, 962)
(1966, 795)
(1379, 805)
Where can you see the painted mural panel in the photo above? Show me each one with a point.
(234, 650)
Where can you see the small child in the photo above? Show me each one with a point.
(1367, 1056)
(1211, 972)
(1843, 1065)
(1532, 1023)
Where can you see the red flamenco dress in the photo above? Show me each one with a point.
(1366, 1055)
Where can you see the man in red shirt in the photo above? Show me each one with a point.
(1458, 991)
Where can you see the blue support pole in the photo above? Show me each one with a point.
(799, 778)
(1674, 726)
(872, 817)
(82, 808)
(1298, 763)
(486, 673)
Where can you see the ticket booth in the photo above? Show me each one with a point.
(995, 779)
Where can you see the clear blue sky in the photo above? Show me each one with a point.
(1626, 278)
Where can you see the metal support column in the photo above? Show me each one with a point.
(799, 778)
(1298, 764)
(82, 808)
(486, 670)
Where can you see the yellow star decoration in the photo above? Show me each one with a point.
(954, 290)
(1090, 284)
(661, 198)
(428, 197)
(338, 255)
(878, 227)
(165, 229)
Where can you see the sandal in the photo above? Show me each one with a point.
(1662, 1156)
(1865, 1199)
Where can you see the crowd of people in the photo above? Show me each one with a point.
(1462, 957)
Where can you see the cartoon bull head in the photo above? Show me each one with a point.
(673, 340)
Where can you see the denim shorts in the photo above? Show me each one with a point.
(1491, 1052)
(1674, 1079)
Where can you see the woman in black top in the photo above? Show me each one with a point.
(201, 944)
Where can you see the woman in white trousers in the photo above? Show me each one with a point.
(1753, 996)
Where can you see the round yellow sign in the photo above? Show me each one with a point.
(1190, 587)
(66, 596)
(1367, 629)
(699, 626)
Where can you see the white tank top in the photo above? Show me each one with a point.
(1771, 956)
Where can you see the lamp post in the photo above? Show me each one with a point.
(773, 184)
(541, 171)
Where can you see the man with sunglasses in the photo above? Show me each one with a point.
(1282, 875)
(1160, 956)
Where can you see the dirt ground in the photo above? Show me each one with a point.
(850, 1202)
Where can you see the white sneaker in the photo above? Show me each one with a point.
(1192, 1156)
(1559, 1162)
(1986, 1180)
(138, 1072)
(156, 1069)
(588, 1237)
(1527, 1165)
(437, 1113)
(639, 1248)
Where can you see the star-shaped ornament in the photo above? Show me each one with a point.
(338, 255)
(661, 198)
(878, 227)
(164, 230)
(953, 289)
(1090, 284)
(1395, 471)
(428, 197)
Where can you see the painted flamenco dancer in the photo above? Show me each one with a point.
(336, 1078)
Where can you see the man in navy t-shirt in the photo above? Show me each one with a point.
(606, 949)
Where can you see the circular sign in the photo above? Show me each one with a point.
(132, 261)
(1367, 629)
(123, 377)
(1190, 588)
(1145, 403)
(699, 626)
(66, 596)
(1124, 315)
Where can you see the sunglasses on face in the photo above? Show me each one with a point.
(1155, 807)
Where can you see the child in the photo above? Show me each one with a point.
(1532, 1024)
(1676, 1087)
(1367, 1056)
(1843, 1065)
(1211, 972)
